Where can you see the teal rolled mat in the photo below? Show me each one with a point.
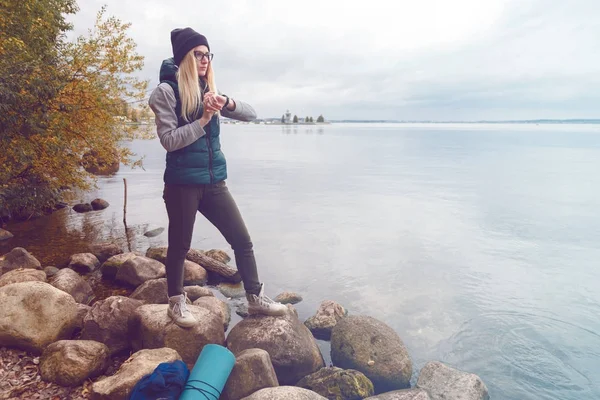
(209, 375)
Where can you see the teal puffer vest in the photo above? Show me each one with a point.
(201, 162)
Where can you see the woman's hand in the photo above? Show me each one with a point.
(213, 101)
(207, 114)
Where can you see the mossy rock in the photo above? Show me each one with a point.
(339, 384)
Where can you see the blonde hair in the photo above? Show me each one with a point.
(189, 87)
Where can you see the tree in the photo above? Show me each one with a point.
(283, 119)
(306, 119)
(311, 119)
(295, 119)
(320, 118)
(59, 101)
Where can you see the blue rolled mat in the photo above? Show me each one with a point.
(210, 373)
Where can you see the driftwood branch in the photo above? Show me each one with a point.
(212, 265)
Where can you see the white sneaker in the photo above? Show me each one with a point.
(261, 304)
(179, 312)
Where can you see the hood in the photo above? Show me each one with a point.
(168, 70)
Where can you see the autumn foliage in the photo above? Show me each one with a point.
(60, 100)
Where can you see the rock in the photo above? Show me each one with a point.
(285, 393)
(215, 267)
(18, 258)
(216, 306)
(336, 383)
(443, 382)
(252, 371)
(288, 298)
(232, 290)
(104, 251)
(218, 255)
(71, 362)
(150, 327)
(83, 207)
(110, 267)
(5, 235)
(292, 348)
(140, 364)
(242, 310)
(22, 275)
(84, 263)
(154, 232)
(50, 271)
(193, 274)
(153, 291)
(106, 322)
(71, 282)
(404, 394)
(138, 270)
(99, 204)
(327, 316)
(373, 348)
(82, 311)
(60, 205)
(195, 292)
(157, 253)
(35, 314)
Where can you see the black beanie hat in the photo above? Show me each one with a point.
(183, 40)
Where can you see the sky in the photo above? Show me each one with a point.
(392, 60)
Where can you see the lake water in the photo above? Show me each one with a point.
(477, 243)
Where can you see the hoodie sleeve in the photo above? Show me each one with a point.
(242, 111)
(162, 102)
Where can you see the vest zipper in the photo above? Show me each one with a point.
(210, 156)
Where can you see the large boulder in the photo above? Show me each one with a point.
(252, 371)
(327, 316)
(216, 306)
(140, 364)
(368, 345)
(35, 314)
(22, 275)
(70, 362)
(71, 282)
(18, 258)
(138, 270)
(110, 267)
(404, 394)
(336, 383)
(104, 251)
(106, 322)
(84, 263)
(443, 382)
(153, 291)
(150, 327)
(292, 348)
(285, 393)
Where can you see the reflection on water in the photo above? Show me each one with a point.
(305, 129)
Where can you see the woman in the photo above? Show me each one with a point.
(187, 106)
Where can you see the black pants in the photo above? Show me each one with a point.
(217, 205)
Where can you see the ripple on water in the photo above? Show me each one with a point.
(527, 356)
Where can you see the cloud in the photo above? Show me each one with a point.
(433, 59)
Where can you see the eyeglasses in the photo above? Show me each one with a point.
(199, 56)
